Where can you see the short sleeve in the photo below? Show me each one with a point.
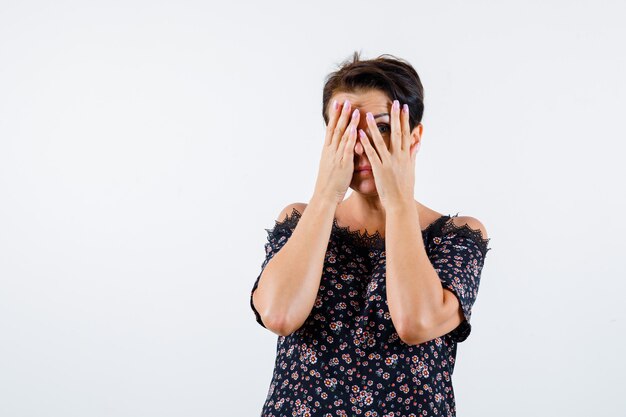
(458, 256)
(276, 239)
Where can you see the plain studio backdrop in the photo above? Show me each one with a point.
(145, 146)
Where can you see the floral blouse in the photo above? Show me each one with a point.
(347, 358)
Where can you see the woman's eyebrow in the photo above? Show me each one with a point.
(380, 115)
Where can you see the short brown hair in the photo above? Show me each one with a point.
(387, 73)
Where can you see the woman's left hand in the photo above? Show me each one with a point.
(393, 168)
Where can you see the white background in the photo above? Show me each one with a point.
(145, 146)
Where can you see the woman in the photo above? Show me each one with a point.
(368, 324)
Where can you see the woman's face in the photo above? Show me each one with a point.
(379, 104)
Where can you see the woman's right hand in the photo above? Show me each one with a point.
(337, 162)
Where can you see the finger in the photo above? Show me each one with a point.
(354, 122)
(348, 149)
(346, 134)
(381, 148)
(369, 150)
(332, 121)
(396, 127)
(340, 128)
(406, 129)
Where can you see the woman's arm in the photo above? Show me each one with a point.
(290, 281)
(414, 292)
(420, 308)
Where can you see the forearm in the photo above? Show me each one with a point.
(414, 291)
(290, 281)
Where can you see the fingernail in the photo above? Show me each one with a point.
(346, 104)
(355, 113)
(370, 116)
(335, 105)
(405, 108)
(396, 104)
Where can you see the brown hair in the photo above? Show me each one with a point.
(387, 73)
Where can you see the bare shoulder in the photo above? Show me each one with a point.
(472, 223)
(289, 209)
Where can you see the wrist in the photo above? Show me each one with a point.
(325, 197)
(406, 204)
(323, 202)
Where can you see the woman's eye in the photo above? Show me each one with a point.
(382, 127)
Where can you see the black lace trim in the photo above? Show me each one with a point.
(287, 224)
(357, 238)
(449, 227)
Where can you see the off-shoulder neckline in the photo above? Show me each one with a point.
(377, 241)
